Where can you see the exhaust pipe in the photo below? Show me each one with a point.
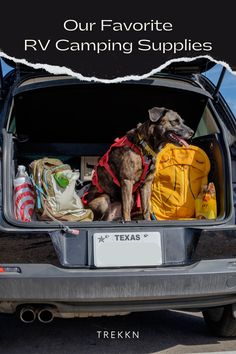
(46, 315)
(27, 315)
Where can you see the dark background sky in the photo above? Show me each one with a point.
(196, 20)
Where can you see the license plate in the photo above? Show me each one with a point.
(120, 249)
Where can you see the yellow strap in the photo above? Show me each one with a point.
(146, 147)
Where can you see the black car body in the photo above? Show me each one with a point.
(60, 116)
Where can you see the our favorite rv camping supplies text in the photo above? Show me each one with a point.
(106, 27)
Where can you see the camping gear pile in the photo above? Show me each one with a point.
(180, 189)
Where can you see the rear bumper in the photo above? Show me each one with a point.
(206, 283)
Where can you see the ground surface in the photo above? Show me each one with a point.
(159, 332)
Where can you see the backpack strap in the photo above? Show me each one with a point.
(39, 192)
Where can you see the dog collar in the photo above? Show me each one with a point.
(146, 147)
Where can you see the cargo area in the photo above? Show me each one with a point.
(77, 123)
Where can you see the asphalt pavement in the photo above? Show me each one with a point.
(139, 333)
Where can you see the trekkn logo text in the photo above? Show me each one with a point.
(118, 335)
(106, 27)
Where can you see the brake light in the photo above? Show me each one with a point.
(10, 270)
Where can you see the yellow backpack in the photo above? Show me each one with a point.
(180, 174)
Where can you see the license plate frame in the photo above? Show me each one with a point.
(127, 249)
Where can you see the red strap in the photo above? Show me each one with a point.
(95, 181)
(83, 198)
(138, 201)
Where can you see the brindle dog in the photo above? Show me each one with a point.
(163, 126)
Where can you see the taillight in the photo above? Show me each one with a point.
(10, 270)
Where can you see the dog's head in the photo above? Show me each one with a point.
(165, 126)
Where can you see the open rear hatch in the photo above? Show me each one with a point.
(77, 122)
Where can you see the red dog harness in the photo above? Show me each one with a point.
(103, 162)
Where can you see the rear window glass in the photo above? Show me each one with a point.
(207, 125)
(228, 86)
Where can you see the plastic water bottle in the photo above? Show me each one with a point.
(21, 173)
(24, 196)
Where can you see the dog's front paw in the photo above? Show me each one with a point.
(147, 216)
(123, 221)
(126, 220)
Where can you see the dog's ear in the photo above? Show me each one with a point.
(156, 113)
